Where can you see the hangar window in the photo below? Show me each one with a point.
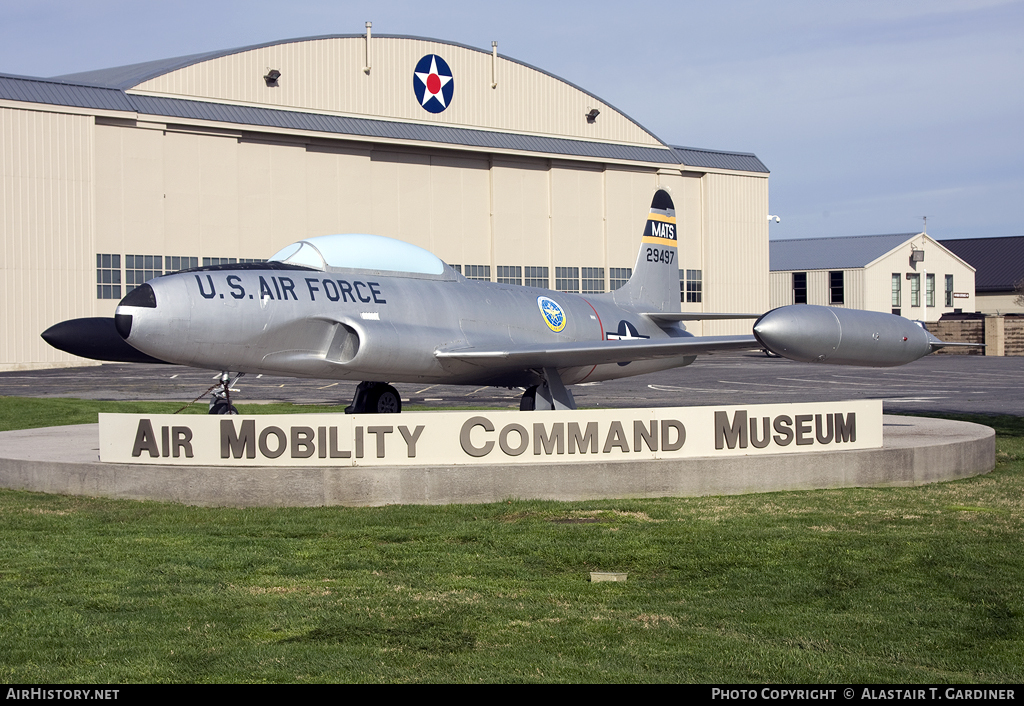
(175, 264)
(897, 289)
(567, 279)
(208, 261)
(478, 272)
(139, 269)
(694, 286)
(949, 290)
(618, 276)
(799, 287)
(510, 274)
(929, 289)
(836, 290)
(108, 276)
(593, 280)
(537, 277)
(915, 289)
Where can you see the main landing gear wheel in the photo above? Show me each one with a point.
(384, 399)
(223, 407)
(375, 398)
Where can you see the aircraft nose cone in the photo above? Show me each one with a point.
(96, 338)
(804, 333)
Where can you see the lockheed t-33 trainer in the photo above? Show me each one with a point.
(381, 311)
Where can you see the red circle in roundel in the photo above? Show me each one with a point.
(433, 83)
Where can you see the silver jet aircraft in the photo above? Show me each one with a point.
(378, 310)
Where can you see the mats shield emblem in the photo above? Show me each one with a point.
(553, 315)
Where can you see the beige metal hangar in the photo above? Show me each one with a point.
(112, 177)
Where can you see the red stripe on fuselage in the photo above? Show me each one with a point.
(602, 335)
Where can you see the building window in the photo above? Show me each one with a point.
(690, 286)
(478, 272)
(567, 279)
(108, 276)
(593, 280)
(799, 287)
(141, 268)
(949, 290)
(209, 261)
(510, 274)
(176, 264)
(836, 290)
(929, 289)
(915, 289)
(897, 289)
(536, 277)
(618, 276)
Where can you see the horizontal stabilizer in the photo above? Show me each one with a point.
(579, 353)
(936, 345)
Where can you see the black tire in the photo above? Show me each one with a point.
(223, 407)
(528, 403)
(770, 354)
(383, 399)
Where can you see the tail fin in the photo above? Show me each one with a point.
(654, 285)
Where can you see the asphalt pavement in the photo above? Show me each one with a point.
(935, 383)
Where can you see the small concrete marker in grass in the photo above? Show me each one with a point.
(596, 576)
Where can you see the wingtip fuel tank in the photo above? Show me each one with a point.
(824, 334)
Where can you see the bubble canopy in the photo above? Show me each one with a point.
(360, 251)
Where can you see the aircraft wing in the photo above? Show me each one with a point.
(580, 353)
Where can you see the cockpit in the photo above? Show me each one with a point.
(359, 251)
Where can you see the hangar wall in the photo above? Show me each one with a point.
(84, 181)
(172, 192)
(46, 213)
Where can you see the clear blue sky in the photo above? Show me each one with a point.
(869, 115)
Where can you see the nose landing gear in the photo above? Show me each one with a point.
(220, 395)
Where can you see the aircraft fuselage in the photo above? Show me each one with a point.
(361, 325)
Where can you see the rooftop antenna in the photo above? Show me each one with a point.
(366, 69)
(494, 64)
(925, 224)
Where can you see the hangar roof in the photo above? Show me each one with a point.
(832, 253)
(999, 262)
(740, 161)
(58, 93)
(156, 88)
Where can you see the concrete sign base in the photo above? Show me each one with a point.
(914, 451)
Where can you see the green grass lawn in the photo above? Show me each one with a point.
(857, 585)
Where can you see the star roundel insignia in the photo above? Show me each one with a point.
(433, 83)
